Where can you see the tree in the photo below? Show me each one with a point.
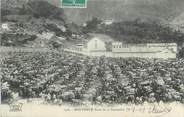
(92, 24)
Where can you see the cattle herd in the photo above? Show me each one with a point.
(69, 78)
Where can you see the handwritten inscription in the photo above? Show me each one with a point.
(154, 109)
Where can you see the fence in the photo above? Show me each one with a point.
(95, 54)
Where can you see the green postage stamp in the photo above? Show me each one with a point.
(73, 3)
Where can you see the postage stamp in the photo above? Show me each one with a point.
(73, 3)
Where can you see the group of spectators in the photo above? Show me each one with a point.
(69, 78)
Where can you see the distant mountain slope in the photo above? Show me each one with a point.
(137, 31)
(123, 10)
(31, 18)
(36, 8)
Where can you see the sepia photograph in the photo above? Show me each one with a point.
(112, 58)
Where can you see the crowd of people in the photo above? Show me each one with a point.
(68, 78)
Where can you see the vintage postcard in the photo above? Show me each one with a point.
(86, 58)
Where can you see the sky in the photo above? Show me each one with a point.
(125, 9)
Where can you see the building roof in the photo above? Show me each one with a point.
(102, 37)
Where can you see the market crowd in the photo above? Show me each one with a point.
(68, 78)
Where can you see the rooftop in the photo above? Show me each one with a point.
(102, 37)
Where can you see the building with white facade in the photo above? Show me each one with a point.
(149, 50)
(103, 45)
(107, 22)
(98, 42)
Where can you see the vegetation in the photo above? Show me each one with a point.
(136, 31)
(14, 39)
(91, 25)
(26, 20)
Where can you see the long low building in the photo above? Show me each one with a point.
(149, 50)
(103, 45)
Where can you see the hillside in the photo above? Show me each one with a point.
(27, 20)
(36, 9)
(137, 31)
(127, 10)
(37, 23)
